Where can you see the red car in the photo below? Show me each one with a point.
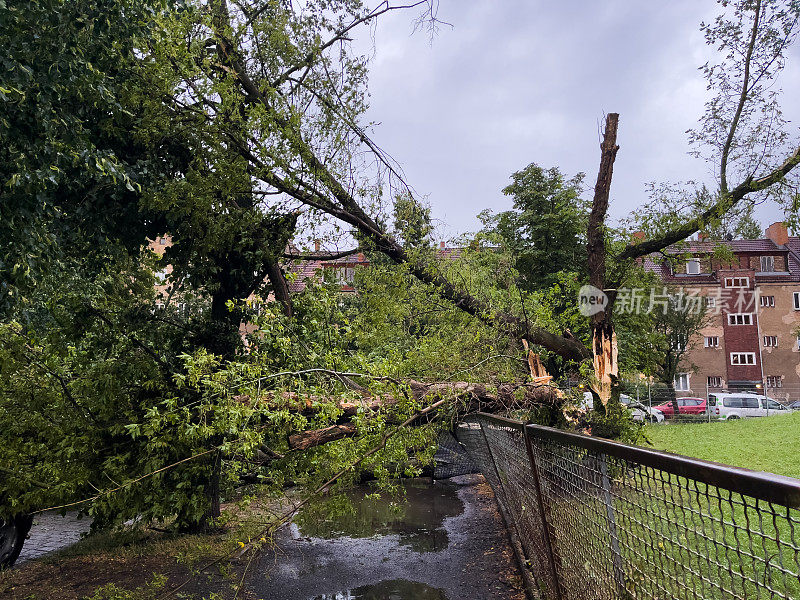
(686, 406)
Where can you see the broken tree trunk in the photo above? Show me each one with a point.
(538, 373)
(604, 339)
(606, 369)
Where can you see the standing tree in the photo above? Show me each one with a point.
(546, 229)
(741, 133)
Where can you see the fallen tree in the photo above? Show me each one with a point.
(463, 397)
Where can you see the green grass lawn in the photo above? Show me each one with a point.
(763, 444)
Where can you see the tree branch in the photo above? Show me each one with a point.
(726, 148)
(722, 206)
(326, 256)
(349, 211)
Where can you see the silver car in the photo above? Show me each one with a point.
(639, 411)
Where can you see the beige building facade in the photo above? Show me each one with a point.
(753, 302)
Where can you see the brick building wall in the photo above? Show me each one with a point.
(751, 340)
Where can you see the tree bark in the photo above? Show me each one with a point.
(279, 287)
(316, 437)
(604, 339)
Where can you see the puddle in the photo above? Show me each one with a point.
(436, 541)
(416, 518)
(396, 589)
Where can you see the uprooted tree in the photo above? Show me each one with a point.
(244, 124)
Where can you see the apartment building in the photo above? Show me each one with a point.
(753, 299)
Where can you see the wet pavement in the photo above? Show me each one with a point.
(442, 541)
(51, 532)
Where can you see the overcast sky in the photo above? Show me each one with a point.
(516, 82)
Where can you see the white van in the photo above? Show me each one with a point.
(740, 405)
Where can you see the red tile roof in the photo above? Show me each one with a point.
(306, 269)
(656, 264)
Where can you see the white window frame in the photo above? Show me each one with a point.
(696, 263)
(736, 282)
(714, 381)
(680, 379)
(711, 302)
(745, 318)
(796, 300)
(743, 359)
(774, 381)
(344, 275)
(769, 261)
(767, 301)
(711, 341)
(770, 341)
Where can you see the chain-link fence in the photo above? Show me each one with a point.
(600, 519)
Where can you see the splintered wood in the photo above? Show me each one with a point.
(538, 373)
(605, 361)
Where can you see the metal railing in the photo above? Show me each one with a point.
(600, 519)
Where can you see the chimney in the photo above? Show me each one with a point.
(778, 233)
(638, 236)
(316, 245)
(441, 245)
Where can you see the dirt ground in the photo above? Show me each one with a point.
(148, 567)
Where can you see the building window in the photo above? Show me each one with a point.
(711, 302)
(159, 306)
(162, 241)
(737, 282)
(715, 382)
(770, 341)
(682, 382)
(768, 301)
(743, 358)
(796, 297)
(740, 319)
(693, 267)
(711, 341)
(344, 275)
(767, 264)
(774, 381)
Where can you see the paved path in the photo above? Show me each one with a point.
(463, 553)
(51, 532)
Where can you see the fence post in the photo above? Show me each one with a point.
(516, 542)
(616, 556)
(548, 543)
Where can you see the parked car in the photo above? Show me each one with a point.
(686, 406)
(726, 406)
(639, 411)
(795, 405)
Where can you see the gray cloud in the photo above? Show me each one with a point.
(516, 82)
